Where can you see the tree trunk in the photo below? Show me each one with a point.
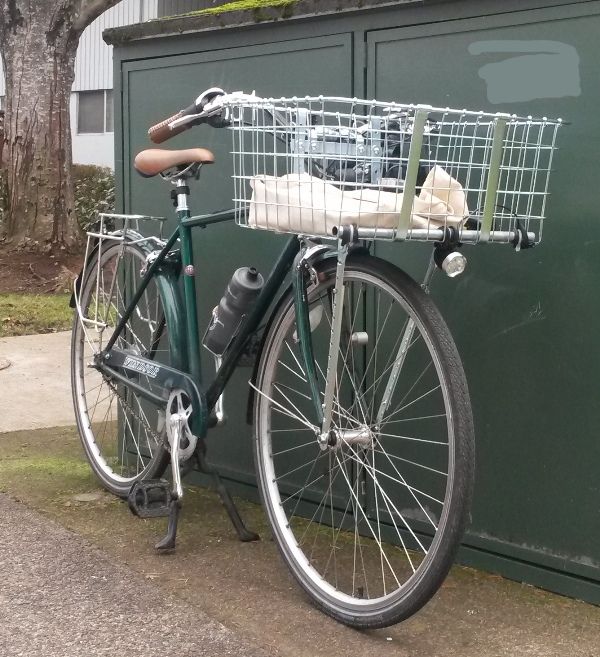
(38, 40)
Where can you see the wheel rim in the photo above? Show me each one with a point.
(367, 490)
(123, 434)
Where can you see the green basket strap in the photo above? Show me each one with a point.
(491, 189)
(412, 170)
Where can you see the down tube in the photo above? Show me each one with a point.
(274, 281)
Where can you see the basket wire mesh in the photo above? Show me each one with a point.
(397, 172)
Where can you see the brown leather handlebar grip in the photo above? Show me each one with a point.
(161, 131)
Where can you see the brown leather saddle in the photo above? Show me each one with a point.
(156, 160)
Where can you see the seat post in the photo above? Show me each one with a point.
(179, 196)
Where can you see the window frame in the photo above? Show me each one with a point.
(105, 104)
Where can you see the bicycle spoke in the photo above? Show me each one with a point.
(419, 465)
(365, 508)
(373, 535)
(418, 440)
(121, 437)
(296, 447)
(284, 410)
(414, 401)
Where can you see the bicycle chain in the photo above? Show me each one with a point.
(156, 437)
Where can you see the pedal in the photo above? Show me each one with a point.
(150, 498)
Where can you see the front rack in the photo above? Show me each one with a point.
(396, 172)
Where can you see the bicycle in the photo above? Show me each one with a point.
(364, 440)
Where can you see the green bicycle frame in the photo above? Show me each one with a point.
(175, 306)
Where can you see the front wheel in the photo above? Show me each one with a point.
(369, 525)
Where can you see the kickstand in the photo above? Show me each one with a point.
(243, 533)
(168, 542)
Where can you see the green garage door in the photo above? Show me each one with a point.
(527, 324)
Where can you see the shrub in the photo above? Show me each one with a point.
(94, 189)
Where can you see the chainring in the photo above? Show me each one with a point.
(179, 409)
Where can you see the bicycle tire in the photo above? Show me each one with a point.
(123, 441)
(321, 555)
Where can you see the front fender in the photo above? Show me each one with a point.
(324, 261)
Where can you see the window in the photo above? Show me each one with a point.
(95, 111)
(108, 104)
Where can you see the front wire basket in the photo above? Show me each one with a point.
(397, 172)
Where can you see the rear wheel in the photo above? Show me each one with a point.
(369, 526)
(123, 433)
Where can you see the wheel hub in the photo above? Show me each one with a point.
(363, 437)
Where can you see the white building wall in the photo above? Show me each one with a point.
(98, 149)
(93, 71)
(93, 66)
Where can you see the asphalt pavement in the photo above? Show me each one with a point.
(61, 597)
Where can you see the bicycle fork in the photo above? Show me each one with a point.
(303, 274)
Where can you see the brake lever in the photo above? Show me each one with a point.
(184, 120)
(210, 110)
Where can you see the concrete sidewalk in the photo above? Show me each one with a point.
(36, 386)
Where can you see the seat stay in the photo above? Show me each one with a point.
(150, 271)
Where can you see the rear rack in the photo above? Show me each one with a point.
(110, 227)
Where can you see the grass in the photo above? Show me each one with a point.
(26, 314)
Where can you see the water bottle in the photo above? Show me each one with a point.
(239, 297)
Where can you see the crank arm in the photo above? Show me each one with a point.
(174, 440)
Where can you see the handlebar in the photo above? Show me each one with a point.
(210, 107)
(162, 131)
(205, 109)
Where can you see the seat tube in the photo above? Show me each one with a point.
(189, 281)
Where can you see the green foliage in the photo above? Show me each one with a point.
(94, 189)
(26, 314)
